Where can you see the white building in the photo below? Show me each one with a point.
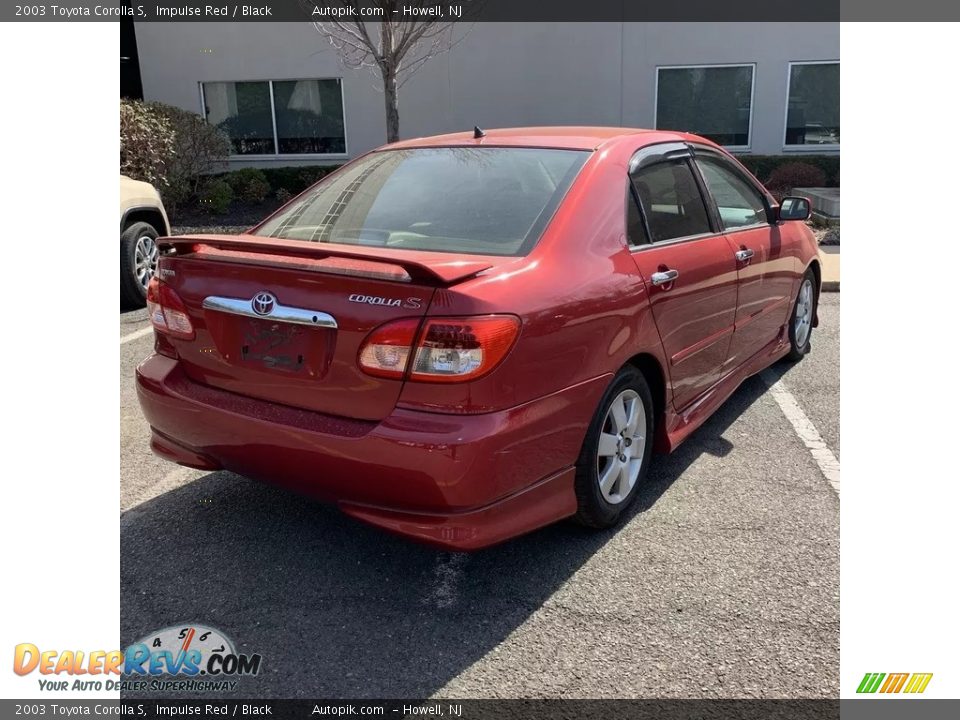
(285, 99)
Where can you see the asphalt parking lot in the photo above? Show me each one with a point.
(724, 582)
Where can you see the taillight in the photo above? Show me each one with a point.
(167, 311)
(456, 349)
(387, 349)
(448, 349)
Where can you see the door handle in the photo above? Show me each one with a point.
(744, 254)
(664, 277)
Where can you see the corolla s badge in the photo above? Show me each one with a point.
(388, 302)
(263, 303)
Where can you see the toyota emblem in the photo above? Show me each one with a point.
(263, 303)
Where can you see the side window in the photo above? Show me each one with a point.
(636, 232)
(671, 200)
(738, 201)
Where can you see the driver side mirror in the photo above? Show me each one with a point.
(794, 208)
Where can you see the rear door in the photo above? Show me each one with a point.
(766, 273)
(688, 267)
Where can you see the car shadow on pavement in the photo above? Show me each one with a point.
(341, 610)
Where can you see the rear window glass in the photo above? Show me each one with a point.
(486, 201)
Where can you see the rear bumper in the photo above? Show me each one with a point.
(456, 481)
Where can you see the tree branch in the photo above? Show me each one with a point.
(398, 51)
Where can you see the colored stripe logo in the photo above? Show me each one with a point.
(894, 683)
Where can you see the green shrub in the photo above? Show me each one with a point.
(199, 149)
(288, 178)
(249, 184)
(792, 175)
(146, 143)
(283, 178)
(310, 175)
(763, 166)
(215, 196)
(297, 179)
(283, 195)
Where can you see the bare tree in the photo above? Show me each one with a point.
(392, 47)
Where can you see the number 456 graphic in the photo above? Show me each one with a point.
(894, 683)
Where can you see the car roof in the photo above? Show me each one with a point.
(565, 137)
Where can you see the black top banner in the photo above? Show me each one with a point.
(482, 11)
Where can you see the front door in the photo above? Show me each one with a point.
(689, 270)
(766, 273)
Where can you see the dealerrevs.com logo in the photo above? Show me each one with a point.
(188, 657)
(910, 683)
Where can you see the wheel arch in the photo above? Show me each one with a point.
(815, 266)
(150, 215)
(817, 275)
(653, 373)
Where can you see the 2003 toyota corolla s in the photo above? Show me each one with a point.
(466, 337)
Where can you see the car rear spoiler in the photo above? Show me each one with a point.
(421, 266)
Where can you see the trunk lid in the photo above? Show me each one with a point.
(284, 320)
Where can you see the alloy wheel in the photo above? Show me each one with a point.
(621, 447)
(146, 254)
(804, 315)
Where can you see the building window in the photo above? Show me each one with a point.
(242, 110)
(813, 104)
(714, 101)
(278, 117)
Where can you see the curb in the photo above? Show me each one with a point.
(830, 267)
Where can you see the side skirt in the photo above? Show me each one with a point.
(678, 426)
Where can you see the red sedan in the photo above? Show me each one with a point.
(463, 338)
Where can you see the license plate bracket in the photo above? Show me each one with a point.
(275, 345)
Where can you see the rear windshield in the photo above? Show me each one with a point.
(486, 201)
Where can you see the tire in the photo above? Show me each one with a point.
(138, 259)
(601, 507)
(805, 306)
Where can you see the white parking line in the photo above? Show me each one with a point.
(175, 478)
(822, 455)
(136, 334)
